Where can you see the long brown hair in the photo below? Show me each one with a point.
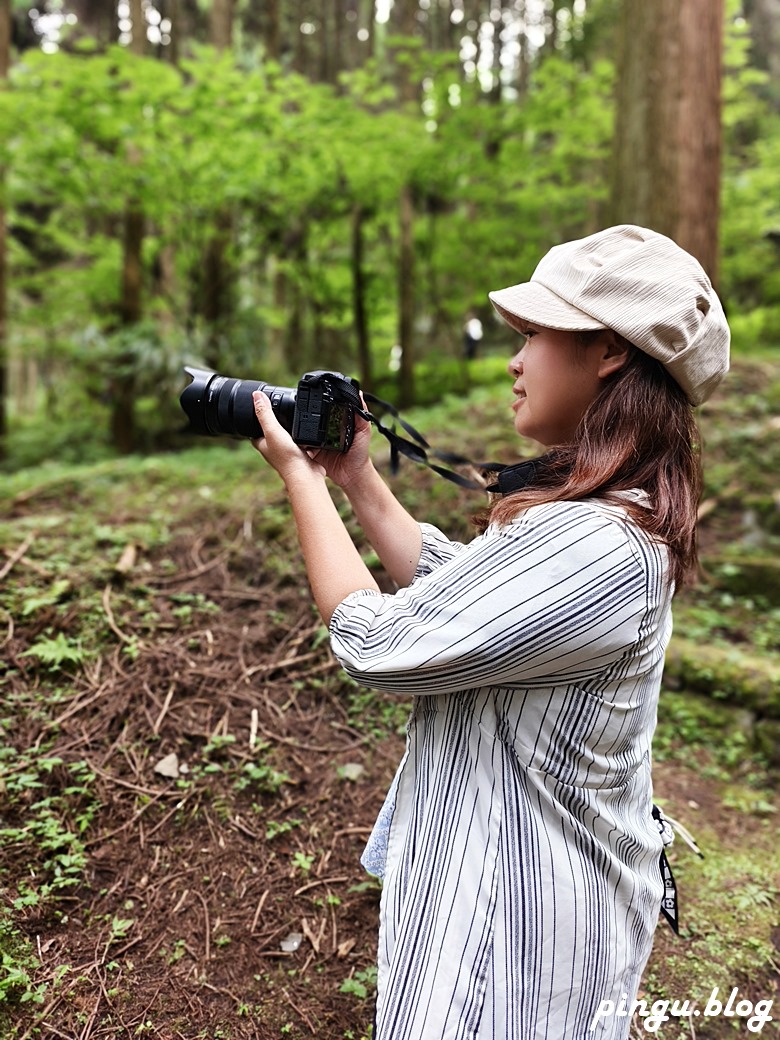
(639, 432)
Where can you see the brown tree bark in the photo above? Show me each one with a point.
(222, 24)
(122, 385)
(764, 19)
(139, 42)
(96, 19)
(359, 311)
(5, 61)
(272, 30)
(667, 145)
(406, 297)
(404, 17)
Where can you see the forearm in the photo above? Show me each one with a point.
(333, 564)
(393, 532)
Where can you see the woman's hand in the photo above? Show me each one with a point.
(277, 446)
(346, 468)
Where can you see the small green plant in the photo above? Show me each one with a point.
(276, 827)
(261, 776)
(54, 652)
(48, 598)
(361, 983)
(303, 862)
(17, 963)
(48, 829)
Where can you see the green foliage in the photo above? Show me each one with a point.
(273, 167)
(360, 984)
(17, 965)
(750, 221)
(54, 652)
(50, 804)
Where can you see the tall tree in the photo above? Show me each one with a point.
(405, 13)
(222, 23)
(764, 19)
(667, 144)
(5, 61)
(96, 18)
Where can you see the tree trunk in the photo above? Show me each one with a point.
(272, 30)
(170, 9)
(764, 19)
(123, 383)
(138, 44)
(667, 144)
(5, 61)
(96, 19)
(404, 15)
(222, 24)
(406, 298)
(217, 276)
(359, 311)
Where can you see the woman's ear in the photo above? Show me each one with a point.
(613, 353)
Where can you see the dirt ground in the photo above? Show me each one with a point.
(194, 884)
(227, 900)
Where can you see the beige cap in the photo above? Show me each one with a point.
(638, 283)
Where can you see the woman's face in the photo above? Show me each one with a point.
(555, 379)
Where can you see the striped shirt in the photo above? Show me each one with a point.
(520, 860)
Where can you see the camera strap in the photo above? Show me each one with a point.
(508, 478)
(419, 450)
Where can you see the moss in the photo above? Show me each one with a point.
(725, 672)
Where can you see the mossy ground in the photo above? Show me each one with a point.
(157, 605)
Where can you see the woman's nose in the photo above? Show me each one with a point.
(515, 366)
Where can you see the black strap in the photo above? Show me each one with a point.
(418, 449)
(510, 478)
(669, 904)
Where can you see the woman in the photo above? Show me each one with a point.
(520, 857)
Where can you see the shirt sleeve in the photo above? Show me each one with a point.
(436, 549)
(559, 594)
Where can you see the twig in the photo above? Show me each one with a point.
(126, 783)
(320, 881)
(75, 708)
(16, 555)
(166, 705)
(207, 943)
(259, 910)
(10, 633)
(161, 823)
(303, 1014)
(225, 992)
(90, 1021)
(300, 746)
(111, 622)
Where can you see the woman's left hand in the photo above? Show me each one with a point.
(277, 446)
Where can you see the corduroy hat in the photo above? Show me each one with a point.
(638, 283)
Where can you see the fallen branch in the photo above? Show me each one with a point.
(16, 555)
(109, 614)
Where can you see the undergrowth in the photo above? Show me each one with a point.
(88, 552)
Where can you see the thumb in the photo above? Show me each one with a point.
(262, 405)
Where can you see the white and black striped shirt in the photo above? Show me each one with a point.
(519, 856)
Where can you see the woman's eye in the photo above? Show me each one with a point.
(528, 333)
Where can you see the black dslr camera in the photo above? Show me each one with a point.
(320, 413)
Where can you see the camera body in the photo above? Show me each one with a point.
(318, 413)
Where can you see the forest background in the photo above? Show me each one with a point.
(186, 777)
(270, 188)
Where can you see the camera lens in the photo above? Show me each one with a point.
(216, 404)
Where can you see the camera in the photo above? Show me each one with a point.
(319, 413)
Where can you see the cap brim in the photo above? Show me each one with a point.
(535, 303)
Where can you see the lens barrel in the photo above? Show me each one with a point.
(217, 404)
